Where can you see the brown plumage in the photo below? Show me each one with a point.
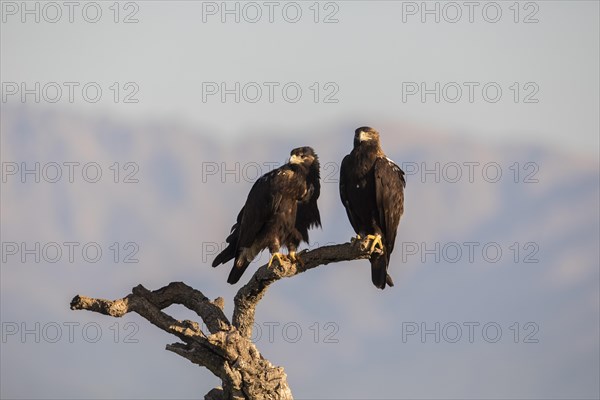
(279, 210)
(372, 191)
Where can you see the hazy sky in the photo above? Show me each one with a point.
(380, 63)
(375, 61)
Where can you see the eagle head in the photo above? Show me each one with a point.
(303, 155)
(366, 135)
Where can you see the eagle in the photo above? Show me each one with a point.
(372, 192)
(280, 209)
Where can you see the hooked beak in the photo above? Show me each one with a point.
(294, 159)
(363, 136)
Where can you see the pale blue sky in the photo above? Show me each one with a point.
(368, 54)
(172, 213)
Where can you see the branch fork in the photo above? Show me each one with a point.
(226, 349)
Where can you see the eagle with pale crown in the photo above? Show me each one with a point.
(372, 192)
(280, 209)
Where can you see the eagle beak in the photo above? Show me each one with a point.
(364, 136)
(294, 159)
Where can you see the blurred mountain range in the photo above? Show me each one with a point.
(499, 233)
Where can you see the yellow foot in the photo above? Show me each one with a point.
(280, 257)
(295, 258)
(355, 239)
(376, 242)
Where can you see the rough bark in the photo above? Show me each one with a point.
(226, 349)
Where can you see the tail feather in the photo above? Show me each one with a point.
(389, 281)
(223, 257)
(237, 272)
(229, 252)
(379, 274)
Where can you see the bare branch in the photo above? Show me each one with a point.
(174, 293)
(228, 351)
(249, 295)
(180, 293)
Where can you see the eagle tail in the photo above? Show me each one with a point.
(227, 254)
(237, 271)
(389, 281)
(379, 274)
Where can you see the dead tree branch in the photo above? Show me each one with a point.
(249, 295)
(227, 350)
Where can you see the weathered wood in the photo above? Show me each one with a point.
(226, 350)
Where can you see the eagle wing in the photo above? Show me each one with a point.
(389, 195)
(308, 215)
(261, 204)
(345, 170)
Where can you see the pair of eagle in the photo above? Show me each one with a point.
(282, 206)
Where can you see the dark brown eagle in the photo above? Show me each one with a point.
(372, 191)
(279, 210)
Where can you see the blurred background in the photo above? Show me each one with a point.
(131, 133)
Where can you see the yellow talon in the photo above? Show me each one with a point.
(277, 256)
(376, 242)
(355, 239)
(294, 258)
